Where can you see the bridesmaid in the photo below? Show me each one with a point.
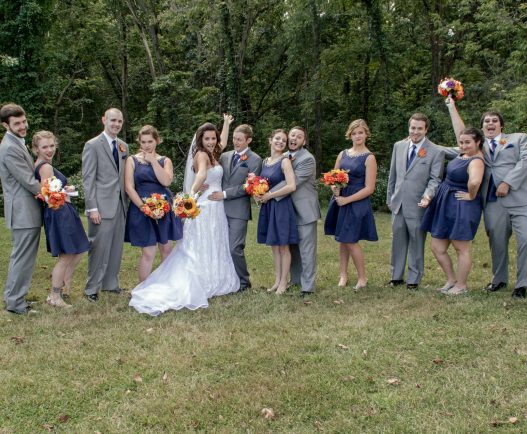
(145, 173)
(65, 236)
(277, 221)
(350, 216)
(454, 214)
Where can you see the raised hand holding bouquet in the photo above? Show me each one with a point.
(155, 206)
(451, 87)
(185, 206)
(52, 193)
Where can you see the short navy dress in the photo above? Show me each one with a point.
(143, 231)
(277, 219)
(353, 222)
(63, 227)
(446, 217)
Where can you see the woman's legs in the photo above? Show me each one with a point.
(285, 265)
(344, 256)
(440, 251)
(58, 280)
(355, 251)
(464, 262)
(165, 250)
(277, 260)
(146, 261)
(68, 274)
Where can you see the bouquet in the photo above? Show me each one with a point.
(155, 206)
(451, 87)
(185, 206)
(256, 185)
(52, 193)
(337, 177)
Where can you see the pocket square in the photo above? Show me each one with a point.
(123, 157)
(244, 165)
(510, 145)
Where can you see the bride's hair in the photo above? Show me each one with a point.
(215, 155)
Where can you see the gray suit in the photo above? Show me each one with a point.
(238, 206)
(406, 187)
(508, 213)
(23, 216)
(307, 210)
(104, 190)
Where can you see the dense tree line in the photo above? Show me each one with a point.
(272, 63)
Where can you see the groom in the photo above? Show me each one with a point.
(237, 164)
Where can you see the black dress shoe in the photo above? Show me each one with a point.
(25, 311)
(243, 288)
(395, 282)
(493, 287)
(92, 298)
(412, 286)
(113, 291)
(305, 294)
(519, 292)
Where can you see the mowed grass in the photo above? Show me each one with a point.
(378, 360)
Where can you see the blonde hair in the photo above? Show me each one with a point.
(149, 130)
(357, 123)
(39, 135)
(245, 129)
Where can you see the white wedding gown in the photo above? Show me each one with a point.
(199, 267)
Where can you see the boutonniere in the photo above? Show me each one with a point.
(421, 153)
(243, 157)
(122, 148)
(503, 142)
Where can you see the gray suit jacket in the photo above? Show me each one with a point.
(103, 184)
(305, 197)
(17, 172)
(407, 187)
(509, 165)
(237, 203)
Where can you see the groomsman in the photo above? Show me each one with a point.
(23, 213)
(415, 172)
(504, 192)
(237, 164)
(307, 210)
(103, 161)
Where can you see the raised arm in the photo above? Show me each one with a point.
(224, 136)
(457, 122)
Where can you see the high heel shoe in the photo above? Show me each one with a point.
(343, 281)
(281, 290)
(57, 301)
(360, 285)
(272, 288)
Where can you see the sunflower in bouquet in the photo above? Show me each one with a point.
(155, 206)
(185, 206)
(452, 87)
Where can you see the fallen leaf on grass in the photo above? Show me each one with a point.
(307, 302)
(150, 330)
(196, 424)
(510, 420)
(338, 301)
(63, 418)
(267, 413)
(48, 427)
(17, 340)
(318, 425)
(137, 378)
(438, 361)
(393, 381)
(365, 353)
(343, 347)
(165, 378)
(348, 378)
(513, 420)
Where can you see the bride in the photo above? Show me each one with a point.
(201, 266)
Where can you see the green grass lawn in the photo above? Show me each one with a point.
(377, 360)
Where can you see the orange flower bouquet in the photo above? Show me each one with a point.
(52, 193)
(155, 206)
(337, 177)
(256, 185)
(451, 87)
(185, 206)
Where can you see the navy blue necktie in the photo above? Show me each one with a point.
(115, 154)
(411, 156)
(235, 160)
(492, 148)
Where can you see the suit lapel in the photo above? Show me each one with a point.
(499, 147)
(106, 147)
(424, 146)
(15, 142)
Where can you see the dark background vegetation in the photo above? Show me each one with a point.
(272, 63)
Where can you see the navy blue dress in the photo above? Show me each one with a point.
(353, 222)
(143, 231)
(446, 217)
(63, 227)
(277, 219)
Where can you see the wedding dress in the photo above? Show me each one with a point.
(199, 267)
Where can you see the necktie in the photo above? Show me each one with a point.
(411, 156)
(235, 159)
(115, 154)
(492, 147)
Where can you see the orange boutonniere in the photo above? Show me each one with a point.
(122, 148)
(421, 153)
(243, 157)
(503, 142)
